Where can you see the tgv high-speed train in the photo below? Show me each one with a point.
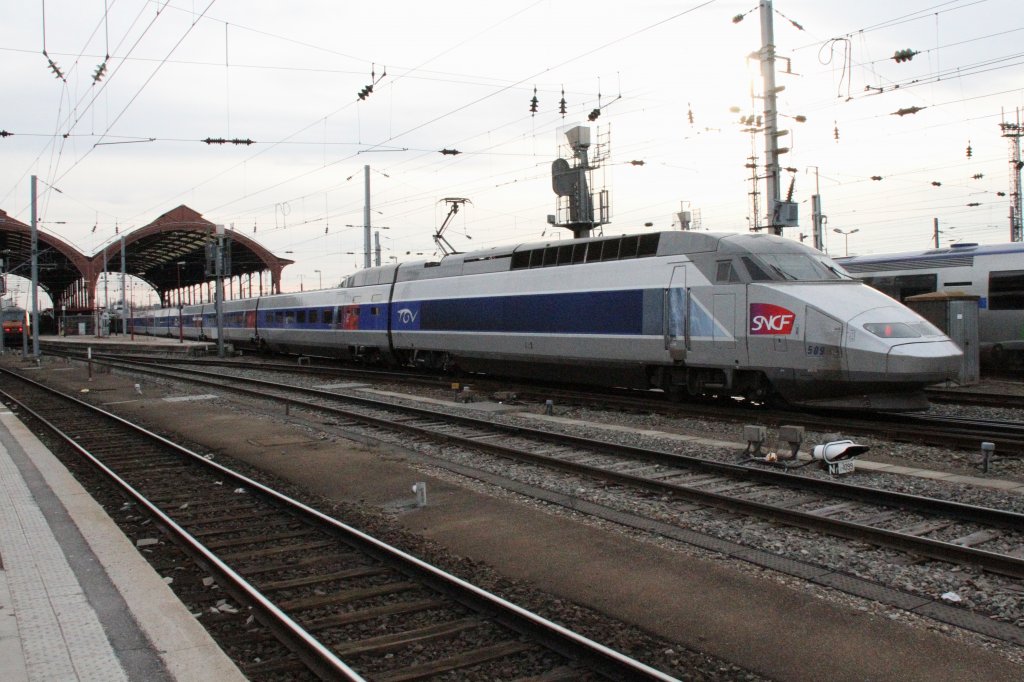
(748, 315)
(994, 273)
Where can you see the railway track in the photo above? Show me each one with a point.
(948, 432)
(977, 399)
(942, 530)
(334, 603)
(919, 527)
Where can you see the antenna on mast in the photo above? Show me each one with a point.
(571, 182)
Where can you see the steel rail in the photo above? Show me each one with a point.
(925, 429)
(774, 476)
(321, 660)
(570, 644)
(935, 549)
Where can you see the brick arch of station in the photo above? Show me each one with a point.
(169, 254)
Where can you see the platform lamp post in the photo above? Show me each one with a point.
(181, 327)
(846, 236)
(320, 275)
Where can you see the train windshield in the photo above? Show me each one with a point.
(802, 267)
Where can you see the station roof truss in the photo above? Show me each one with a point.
(169, 253)
(60, 264)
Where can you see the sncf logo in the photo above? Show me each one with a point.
(767, 318)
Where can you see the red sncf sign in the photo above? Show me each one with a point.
(768, 318)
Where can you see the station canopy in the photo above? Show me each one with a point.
(169, 254)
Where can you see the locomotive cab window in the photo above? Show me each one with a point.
(798, 267)
(1006, 290)
(756, 272)
(726, 272)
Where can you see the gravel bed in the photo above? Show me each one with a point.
(998, 597)
(678, 661)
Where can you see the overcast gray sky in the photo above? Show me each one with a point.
(460, 75)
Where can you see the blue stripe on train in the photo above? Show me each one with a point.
(602, 312)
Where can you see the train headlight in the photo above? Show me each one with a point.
(839, 450)
(892, 330)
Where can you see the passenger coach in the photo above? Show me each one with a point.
(994, 273)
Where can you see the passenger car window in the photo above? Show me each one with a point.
(1006, 290)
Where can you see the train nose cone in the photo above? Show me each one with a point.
(930, 361)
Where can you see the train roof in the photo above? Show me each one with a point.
(578, 251)
(950, 256)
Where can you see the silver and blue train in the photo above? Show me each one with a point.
(750, 315)
(994, 273)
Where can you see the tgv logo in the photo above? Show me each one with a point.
(406, 316)
(767, 318)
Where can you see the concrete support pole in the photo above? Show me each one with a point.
(124, 299)
(35, 274)
(366, 217)
(771, 139)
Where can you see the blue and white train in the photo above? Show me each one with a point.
(994, 273)
(694, 313)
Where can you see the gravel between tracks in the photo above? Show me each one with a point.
(999, 597)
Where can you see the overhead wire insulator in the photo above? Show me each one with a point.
(450, 152)
(100, 71)
(835, 131)
(970, 152)
(689, 113)
(907, 110)
(4, 133)
(903, 55)
(534, 101)
(53, 67)
(594, 114)
(365, 92)
(876, 178)
(935, 183)
(977, 176)
(561, 104)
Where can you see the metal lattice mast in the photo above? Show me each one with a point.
(1013, 131)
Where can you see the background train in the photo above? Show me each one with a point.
(13, 321)
(994, 273)
(747, 315)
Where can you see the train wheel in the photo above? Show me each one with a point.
(694, 383)
(998, 355)
(758, 390)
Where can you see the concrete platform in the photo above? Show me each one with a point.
(77, 601)
(128, 343)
